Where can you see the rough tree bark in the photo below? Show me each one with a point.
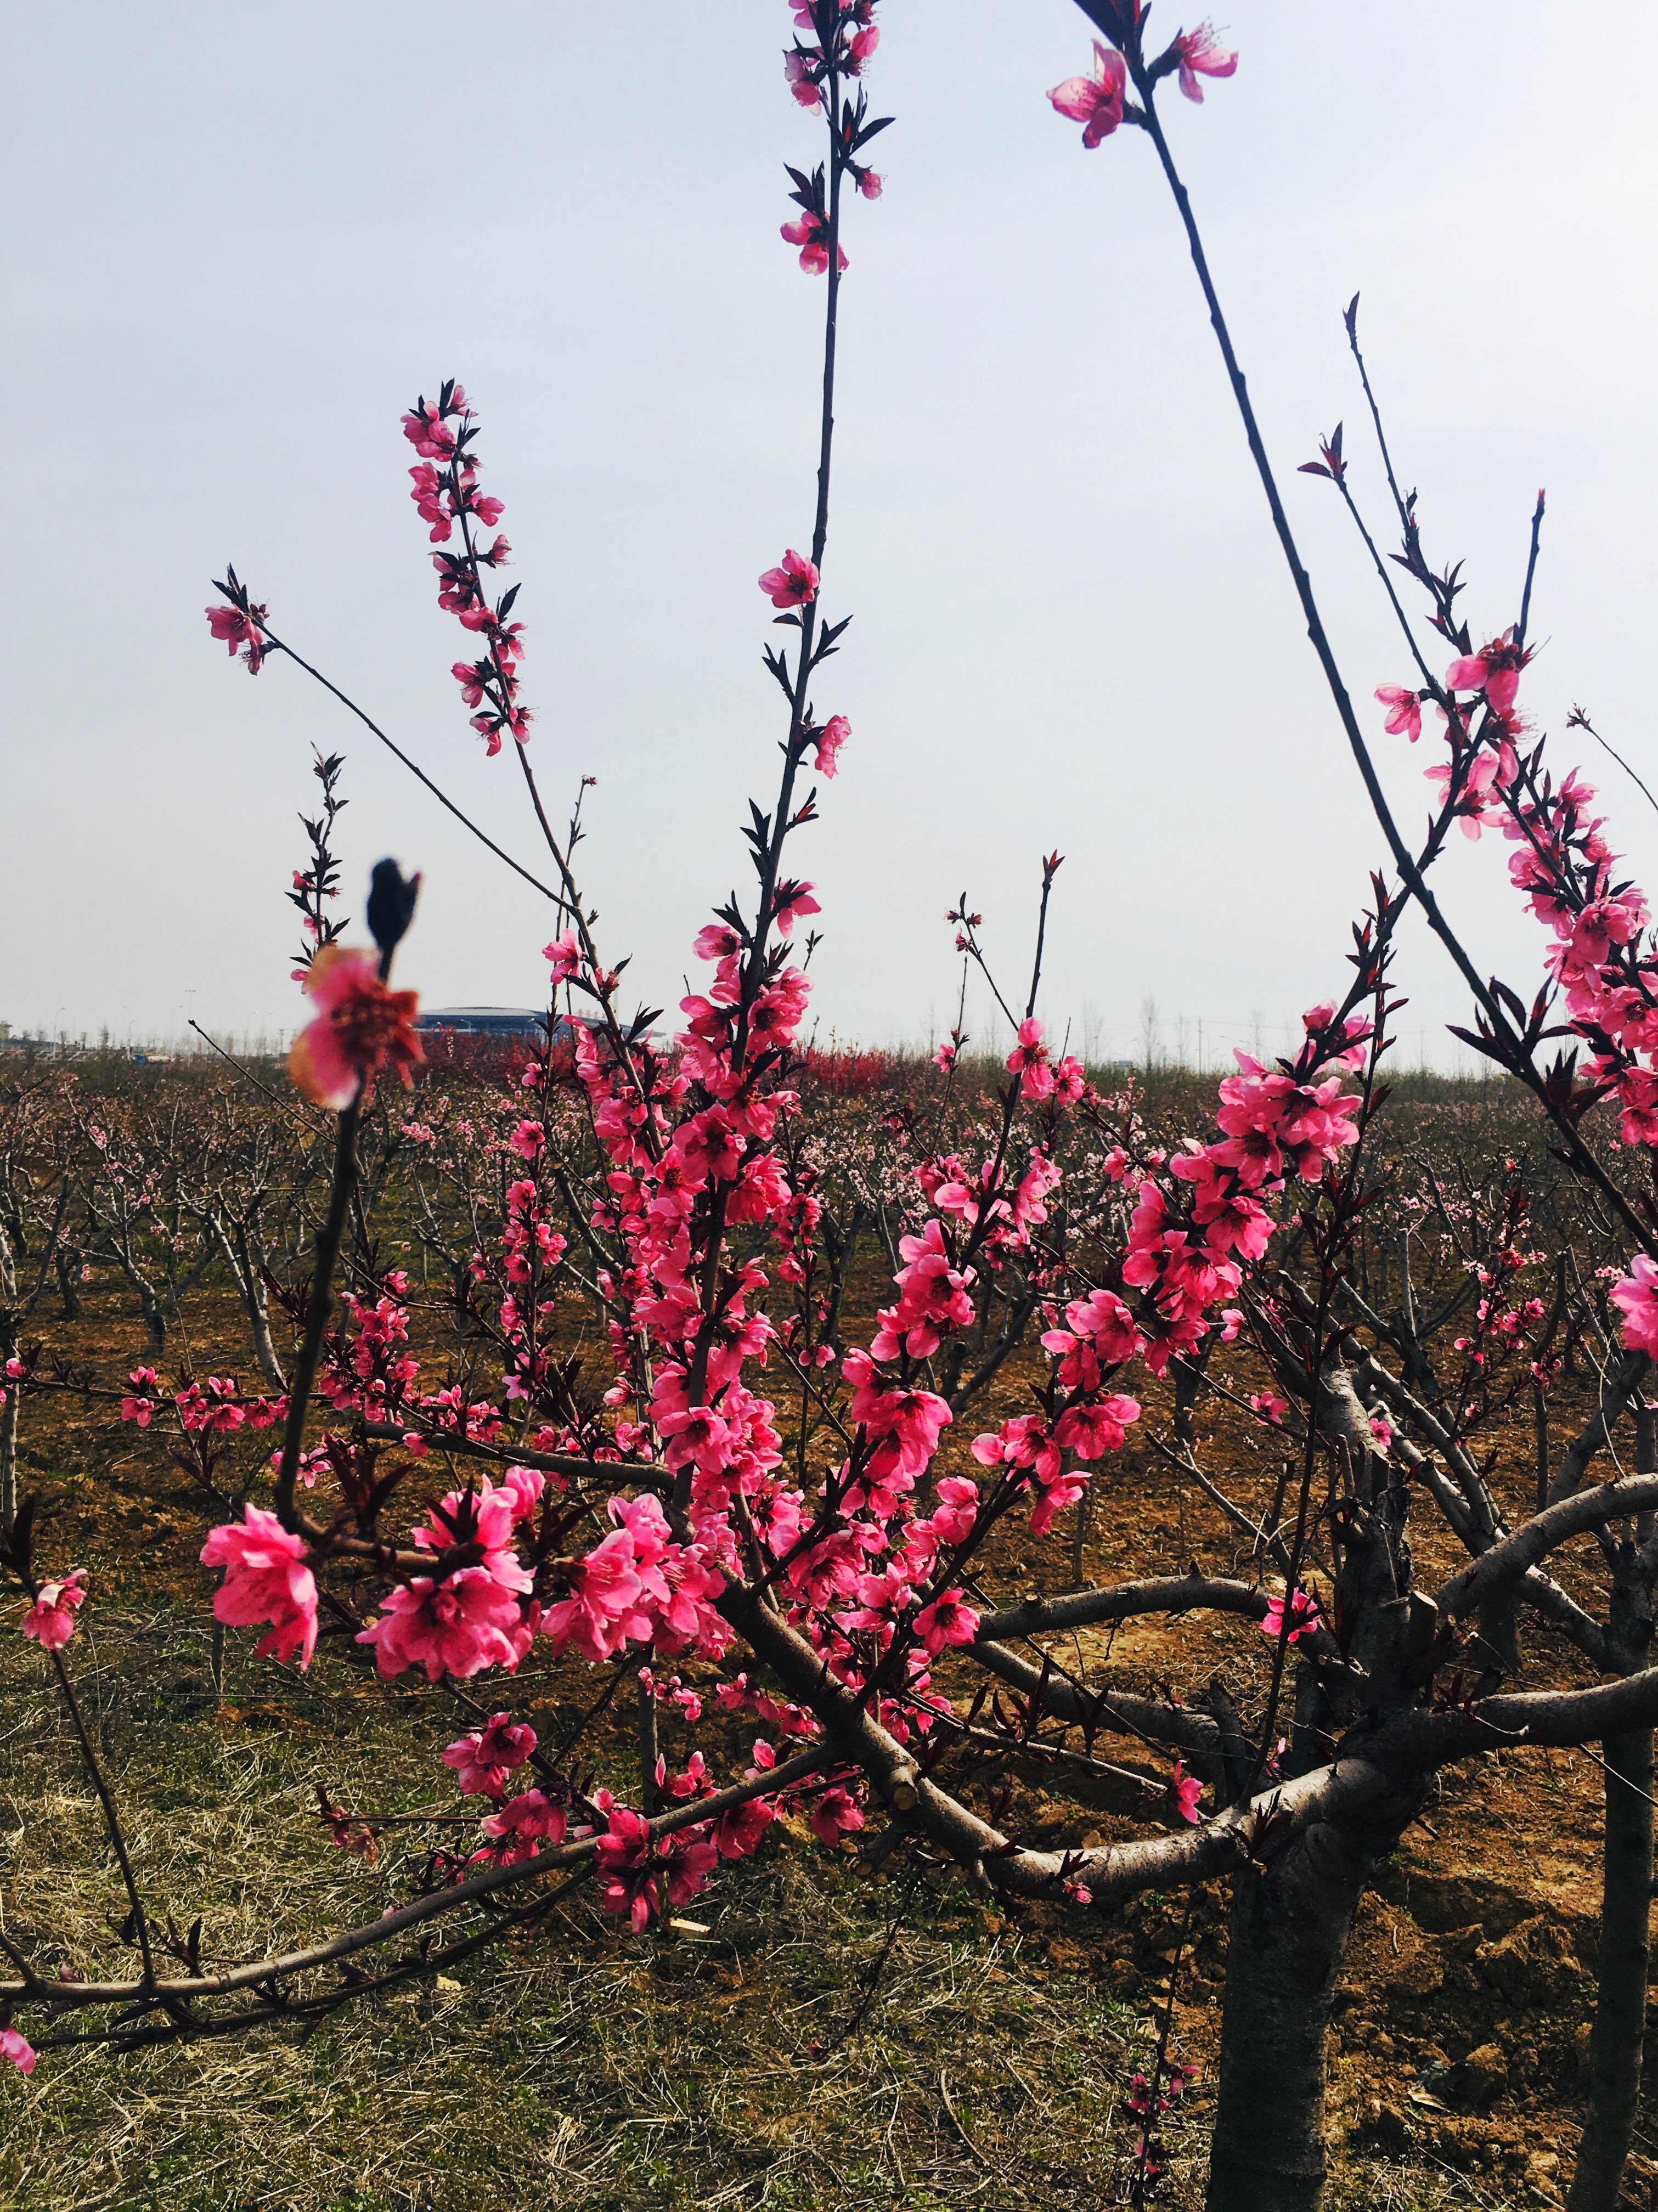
(245, 1264)
(1620, 2009)
(9, 1319)
(1290, 1922)
(1620, 2003)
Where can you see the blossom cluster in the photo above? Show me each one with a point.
(445, 491)
(834, 42)
(868, 1567)
(1603, 961)
(219, 1406)
(1099, 101)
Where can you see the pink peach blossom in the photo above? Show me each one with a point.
(635, 1876)
(1304, 1617)
(1637, 1296)
(1198, 55)
(427, 431)
(1088, 1431)
(239, 633)
(835, 1814)
(957, 1508)
(484, 1759)
(458, 1626)
(602, 1610)
(266, 1579)
(51, 1619)
(1029, 1061)
(359, 1028)
(831, 738)
(794, 583)
(1404, 711)
(1185, 1789)
(565, 954)
(793, 900)
(949, 1619)
(810, 232)
(522, 1825)
(737, 1833)
(525, 1487)
(1494, 670)
(716, 940)
(1097, 101)
(797, 67)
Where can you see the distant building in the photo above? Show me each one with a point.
(525, 1021)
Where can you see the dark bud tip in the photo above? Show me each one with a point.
(391, 898)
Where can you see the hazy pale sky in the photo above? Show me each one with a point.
(239, 240)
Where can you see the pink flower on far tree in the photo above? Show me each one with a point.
(1029, 1061)
(947, 1620)
(565, 954)
(239, 633)
(1095, 102)
(810, 232)
(266, 1579)
(835, 1814)
(360, 1026)
(635, 1878)
(1638, 1295)
(469, 1620)
(17, 2049)
(793, 583)
(1199, 56)
(1185, 1789)
(831, 738)
(51, 1619)
(1494, 670)
(523, 1825)
(484, 1759)
(1404, 711)
(1304, 1617)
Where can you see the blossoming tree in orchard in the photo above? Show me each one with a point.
(1598, 993)
(741, 1517)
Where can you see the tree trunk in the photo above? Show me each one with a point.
(9, 1438)
(1290, 1924)
(245, 1273)
(9, 1340)
(1620, 2008)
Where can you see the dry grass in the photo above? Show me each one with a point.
(583, 2067)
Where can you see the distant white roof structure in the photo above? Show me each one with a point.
(485, 1021)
